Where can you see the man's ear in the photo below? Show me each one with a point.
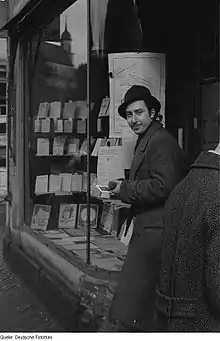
(152, 113)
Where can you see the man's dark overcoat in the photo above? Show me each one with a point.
(158, 165)
(188, 298)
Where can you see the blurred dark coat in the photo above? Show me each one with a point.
(158, 165)
(189, 292)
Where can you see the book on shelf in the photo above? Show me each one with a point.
(3, 179)
(45, 125)
(83, 148)
(55, 183)
(93, 179)
(40, 217)
(68, 125)
(43, 146)
(43, 110)
(67, 216)
(41, 184)
(3, 153)
(58, 125)
(107, 217)
(113, 141)
(3, 140)
(55, 109)
(81, 109)
(72, 145)
(84, 181)
(66, 182)
(69, 109)
(37, 125)
(104, 107)
(82, 216)
(58, 145)
(76, 182)
(81, 126)
(99, 125)
(97, 146)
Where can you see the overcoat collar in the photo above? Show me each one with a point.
(141, 146)
(207, 160)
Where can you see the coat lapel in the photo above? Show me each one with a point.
(140, 150)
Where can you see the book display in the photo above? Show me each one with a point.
(59, 148)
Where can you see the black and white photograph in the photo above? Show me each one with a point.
(109, 169)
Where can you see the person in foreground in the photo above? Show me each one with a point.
(188, 294)
(158, 165)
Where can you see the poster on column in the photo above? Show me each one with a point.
(127, 69)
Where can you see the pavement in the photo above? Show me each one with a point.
(20, 308)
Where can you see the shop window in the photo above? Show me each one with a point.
(58, 128)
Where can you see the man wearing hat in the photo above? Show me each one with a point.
(158, 165)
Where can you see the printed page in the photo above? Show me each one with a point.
(147, 69)
(110, 164)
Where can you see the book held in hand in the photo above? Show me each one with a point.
(40, 217)
(67, 216)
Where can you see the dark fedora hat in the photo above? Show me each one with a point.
(137, 93)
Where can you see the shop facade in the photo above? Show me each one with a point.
(60, 115)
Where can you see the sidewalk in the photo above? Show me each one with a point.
(20, 309)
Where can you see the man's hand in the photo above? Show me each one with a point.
(116, 190)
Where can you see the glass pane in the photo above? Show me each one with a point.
(58, 119)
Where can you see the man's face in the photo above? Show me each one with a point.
(138, 116)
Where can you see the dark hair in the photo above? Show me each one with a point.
(150, 107)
